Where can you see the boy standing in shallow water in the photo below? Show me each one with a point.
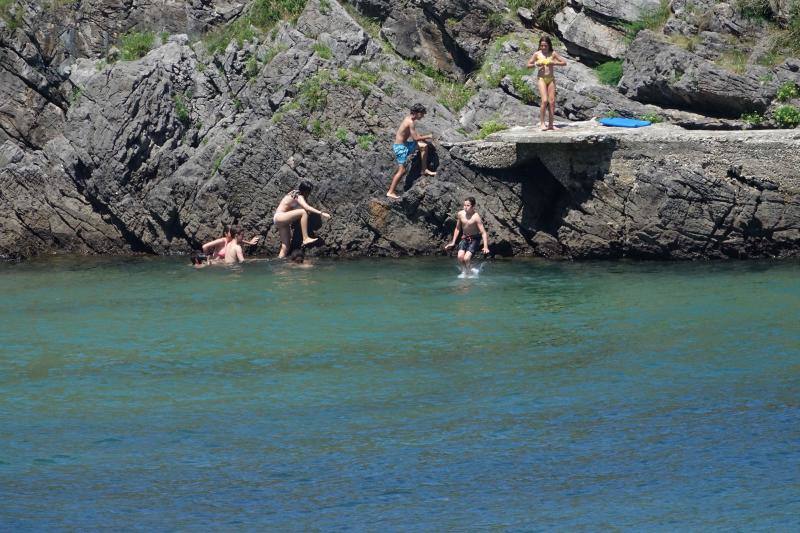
(470, 224)
(404, 148)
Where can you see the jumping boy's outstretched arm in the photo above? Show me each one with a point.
(455, 234)
(484, 237)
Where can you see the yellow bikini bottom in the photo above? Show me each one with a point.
(547, 79)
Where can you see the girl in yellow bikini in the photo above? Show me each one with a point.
(545, 58)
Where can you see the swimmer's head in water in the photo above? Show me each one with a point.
(199, 258)
(548, 44)
(418, 110)
(297, 256)
(304, 187)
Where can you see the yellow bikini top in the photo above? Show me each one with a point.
(544, 61)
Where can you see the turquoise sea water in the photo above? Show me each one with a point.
(141, 393)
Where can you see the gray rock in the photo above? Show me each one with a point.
(43, 210)
(661, 73)
(498, 106)
(627, 10)
(587, 38)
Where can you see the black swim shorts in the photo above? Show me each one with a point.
(470, 243)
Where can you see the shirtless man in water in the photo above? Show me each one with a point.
(470, 224)
(233, 250)
(404, 148)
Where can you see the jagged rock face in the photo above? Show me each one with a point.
(627, 10)
(43, 209)
(657, 71)
(589, 39)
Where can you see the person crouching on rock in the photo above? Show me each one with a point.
(470, 224)
(294, 207)
(404, 148)
(545, 58)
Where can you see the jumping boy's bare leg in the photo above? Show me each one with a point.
(461, 262)
(423, 154)
(395, 180)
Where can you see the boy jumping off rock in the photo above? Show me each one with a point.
(404, 148)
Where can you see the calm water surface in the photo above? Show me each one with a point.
(389, 394)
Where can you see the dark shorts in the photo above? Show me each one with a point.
(470, 244)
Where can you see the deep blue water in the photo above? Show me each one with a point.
(142, 394)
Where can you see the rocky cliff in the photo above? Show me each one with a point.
(144, 126)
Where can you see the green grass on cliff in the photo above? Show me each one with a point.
(259, 17)
(135, 45)
(610, 72)
(489, 127)
(649, 20)
(11, 13)
(543, 11)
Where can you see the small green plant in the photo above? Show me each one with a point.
(754, 9)
(221, 157)
(770, 58)
(358, 78)
(319, 128)
(365, 141)
(11, 12)
(516, 75)
(687, 42)
(274, 51)
(164, 36)
(610, 72)
(651, 117)
(489, 127)
(77, 92)
(787, 116)
(734, 60)
(237, 105)
(251, 68)
(322, 50)
(650, 20)
(454, 96)
(341, 134)
(313, 95)
(754, 118)
(135, 45)
(494, 19)
(100, 65)
(788, 91)
(324, 7)
(181, 109)
(260, 17)
(543, 11)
